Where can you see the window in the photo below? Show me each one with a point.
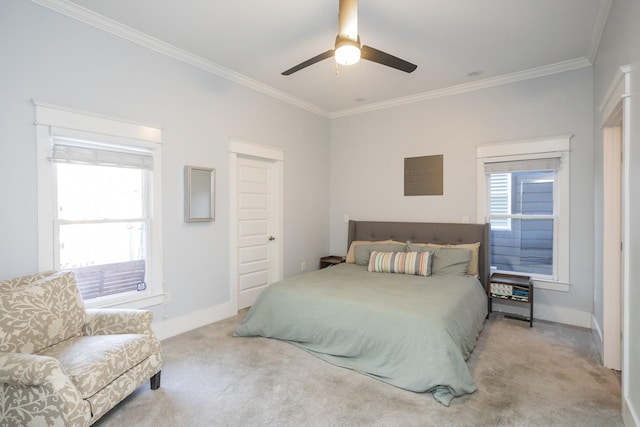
(99, 206)
(522, 233)
(523, 194)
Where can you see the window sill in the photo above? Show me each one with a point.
(551, 285)
(143, 301)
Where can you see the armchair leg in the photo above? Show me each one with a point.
(155, 381)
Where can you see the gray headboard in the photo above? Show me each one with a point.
(427, 232)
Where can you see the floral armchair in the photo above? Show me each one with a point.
(62, 365)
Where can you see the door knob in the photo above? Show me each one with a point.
(271, 238)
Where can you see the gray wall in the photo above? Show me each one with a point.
(367, 153)
(53, 58)
(620, 46)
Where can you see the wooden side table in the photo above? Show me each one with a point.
(327, 261)
(512, 287)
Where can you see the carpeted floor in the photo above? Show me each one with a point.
(548, 375)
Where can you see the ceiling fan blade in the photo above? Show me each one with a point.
(305, 64)
(389, 60)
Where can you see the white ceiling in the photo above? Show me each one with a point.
(253, 41)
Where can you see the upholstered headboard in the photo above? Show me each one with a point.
(427, 232)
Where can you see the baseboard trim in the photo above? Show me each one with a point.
(629, 415)
(171, 327)
(597, 329)
(598, 336)
(567, 316)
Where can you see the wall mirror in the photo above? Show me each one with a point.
(199, 194)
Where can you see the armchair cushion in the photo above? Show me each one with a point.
(40, 313)
(18, 282)
(93, 362)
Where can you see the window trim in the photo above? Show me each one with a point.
(535, 148)
(53, 119)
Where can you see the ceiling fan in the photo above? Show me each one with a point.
(348, 50)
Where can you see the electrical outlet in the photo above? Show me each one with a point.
(303, 266)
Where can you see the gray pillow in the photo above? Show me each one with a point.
(362, 253)
(450, 261)
(418, 247)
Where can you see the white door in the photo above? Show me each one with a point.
(612, 256)
(256, 228)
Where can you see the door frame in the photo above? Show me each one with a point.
(614, 122)
(237, 149)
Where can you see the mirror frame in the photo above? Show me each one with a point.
(199, 194)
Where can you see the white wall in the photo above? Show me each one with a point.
(619, 46)
(367, 153)
(53, 58)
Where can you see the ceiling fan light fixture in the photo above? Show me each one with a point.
(347, 50)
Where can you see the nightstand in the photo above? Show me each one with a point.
(330, 260)
(512, 287)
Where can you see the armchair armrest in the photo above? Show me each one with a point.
(110, 321)
(25, 369)
(36, 389)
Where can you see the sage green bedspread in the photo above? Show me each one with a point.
(410, 331)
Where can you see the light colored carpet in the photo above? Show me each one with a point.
(548, 375)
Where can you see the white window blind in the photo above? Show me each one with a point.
(541, 164)
(69, 150)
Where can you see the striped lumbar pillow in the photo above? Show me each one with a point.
(418, 263)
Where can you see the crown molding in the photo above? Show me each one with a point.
(602, 14)
(532, 73)
(103, 23)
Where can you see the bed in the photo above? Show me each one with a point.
(408, 330)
